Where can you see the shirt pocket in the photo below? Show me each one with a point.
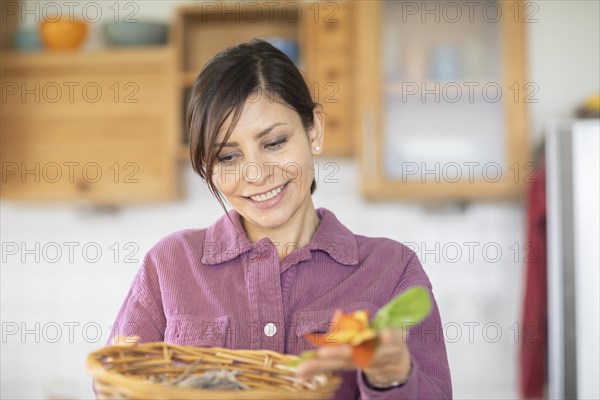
(187, 330)
(318, 321)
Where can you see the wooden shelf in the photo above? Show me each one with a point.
(114, 57)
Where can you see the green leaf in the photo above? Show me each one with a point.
(408, 308)
(307, 355)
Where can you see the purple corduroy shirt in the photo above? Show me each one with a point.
(213, 287)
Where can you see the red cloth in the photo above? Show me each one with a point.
(534, 328)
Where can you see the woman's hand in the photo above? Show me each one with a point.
(391, 361)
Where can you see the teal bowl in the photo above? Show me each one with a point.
(117, 34)
(26, 40)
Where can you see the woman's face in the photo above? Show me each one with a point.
(265, 169)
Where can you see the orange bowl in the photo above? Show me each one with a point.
(63, 34)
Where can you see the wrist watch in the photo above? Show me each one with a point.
(388, 385)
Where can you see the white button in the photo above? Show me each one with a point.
(270, 329)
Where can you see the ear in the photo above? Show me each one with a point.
(316, 133)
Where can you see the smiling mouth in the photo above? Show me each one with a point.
(268, 195)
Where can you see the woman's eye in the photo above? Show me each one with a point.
(277, 144)
(226, 158)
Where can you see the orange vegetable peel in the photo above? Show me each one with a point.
(352, 329)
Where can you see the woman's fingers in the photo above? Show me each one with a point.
(392, 359)
(393, 336)
(314, 367)
(391, 347)
(335, 352)
(329, 358)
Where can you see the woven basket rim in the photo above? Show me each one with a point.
(106, 378)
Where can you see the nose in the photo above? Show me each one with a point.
(258, 170)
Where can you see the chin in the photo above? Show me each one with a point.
(269, 218)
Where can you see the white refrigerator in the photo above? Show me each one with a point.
(573, 204)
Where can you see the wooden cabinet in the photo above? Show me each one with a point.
(443, 97)
(329, 53)
(97, 127)
(322, 31)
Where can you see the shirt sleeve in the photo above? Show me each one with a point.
(429, 377)
(141, 313)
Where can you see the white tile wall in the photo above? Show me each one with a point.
(87, 295)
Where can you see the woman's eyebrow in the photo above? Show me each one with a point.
(257, 136)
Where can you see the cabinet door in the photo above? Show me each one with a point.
(442, 105)
(328, 55)
(89, 132)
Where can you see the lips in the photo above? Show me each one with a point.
(269, 194)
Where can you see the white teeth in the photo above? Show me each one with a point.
(267, 196)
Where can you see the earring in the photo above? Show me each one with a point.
(317, 148)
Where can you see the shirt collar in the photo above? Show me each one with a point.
(226, 240)
(335, 239)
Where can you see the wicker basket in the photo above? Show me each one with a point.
(132, 372)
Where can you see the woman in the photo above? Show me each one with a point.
(274, 268)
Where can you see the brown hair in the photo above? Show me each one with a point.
(223, 86)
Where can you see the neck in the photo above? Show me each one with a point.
(294, 234)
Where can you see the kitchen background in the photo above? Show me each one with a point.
(70, 247)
